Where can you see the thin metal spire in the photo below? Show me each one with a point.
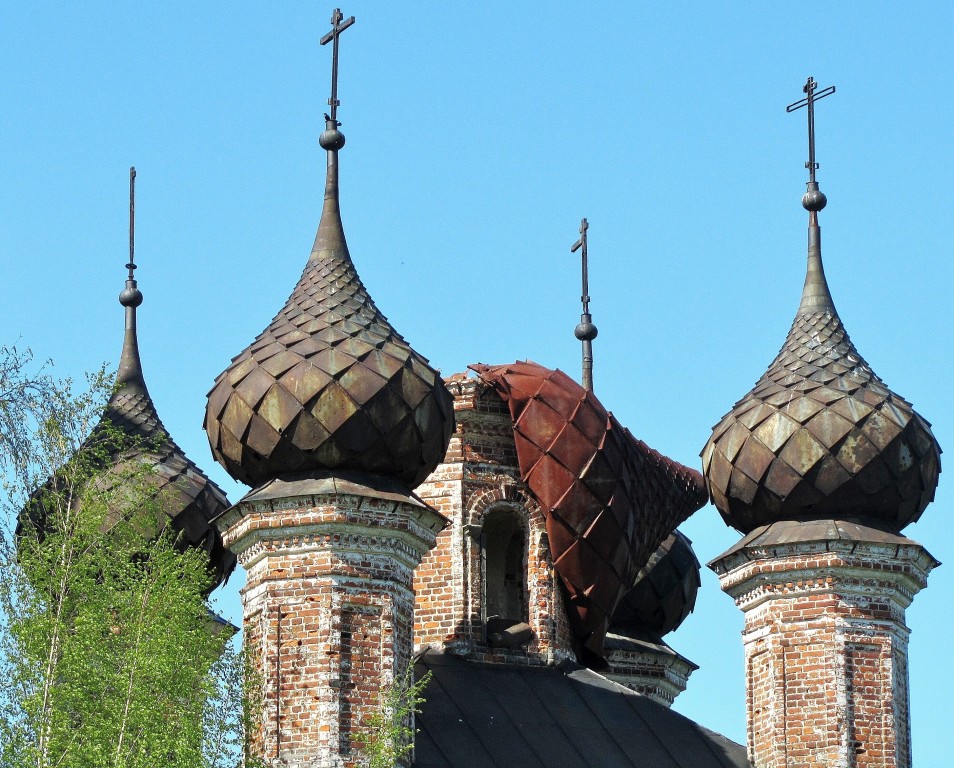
(338, 25)
(585, 331)
(130, 367)
(816, 297)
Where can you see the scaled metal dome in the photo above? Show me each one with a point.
(665, 590)
(137, 447)
(820, 435)
(329, 384)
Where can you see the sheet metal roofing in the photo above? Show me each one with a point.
(480, 715)
(609, 499)
(820, 435)
(329, 384)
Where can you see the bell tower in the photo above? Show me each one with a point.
(333, 419)
(821, 466)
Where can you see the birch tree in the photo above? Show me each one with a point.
(109, 655)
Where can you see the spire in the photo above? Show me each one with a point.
(585, 331)
(820, 436)
(330, 230)
(815, 295)
(188, 499)
(329, 385)
(129, 376)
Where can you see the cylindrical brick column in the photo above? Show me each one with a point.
(826, 644)
(328, 609)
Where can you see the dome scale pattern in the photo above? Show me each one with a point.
(329, 384)
(820, 435)
(136, 447)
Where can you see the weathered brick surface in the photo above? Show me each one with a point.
(328, 615)
(480, 475)
(826, 650)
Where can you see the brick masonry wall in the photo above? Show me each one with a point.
(480, 475)
(328, 615)
(826, 649)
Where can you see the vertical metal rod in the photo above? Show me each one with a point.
(585, 331)
(335, 20)
(809, 97)
(132, 222)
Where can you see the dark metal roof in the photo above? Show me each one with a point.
(480, 715)
(820, 434)
(329, 384)
(609, 499)
(799, 531)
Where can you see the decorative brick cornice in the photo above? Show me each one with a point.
(337, 523)
(753, 574)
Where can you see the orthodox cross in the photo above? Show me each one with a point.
(131, 266)
(585, 331)
(581, 244)
(809, 101)
(338, 25)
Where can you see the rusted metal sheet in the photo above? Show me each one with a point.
(609, 499)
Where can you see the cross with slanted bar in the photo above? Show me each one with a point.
(581, 243)
(809, 101)
(585, 331)
(338, 25)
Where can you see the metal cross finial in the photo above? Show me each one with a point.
(131, 266)
(810, 98)
(581, 243)
(338, 25)
(585, 331)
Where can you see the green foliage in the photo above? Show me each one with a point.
(387, 734)
(109, 656)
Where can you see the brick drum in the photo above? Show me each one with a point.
(328, 613)
(826, 648)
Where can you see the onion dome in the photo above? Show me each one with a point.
(609, 499)
(133, 436)
(820, 435)
(329, 384)
(188, 500)
(665, 590)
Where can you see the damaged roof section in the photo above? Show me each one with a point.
(610, 500)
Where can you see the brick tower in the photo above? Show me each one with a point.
(334, 420)
(821, 466)
(560, 543)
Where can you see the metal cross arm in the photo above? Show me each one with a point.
(815, 97)
(338, 27)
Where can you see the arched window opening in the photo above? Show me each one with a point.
(504, 550)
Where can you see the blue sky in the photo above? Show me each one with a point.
(478, 136)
